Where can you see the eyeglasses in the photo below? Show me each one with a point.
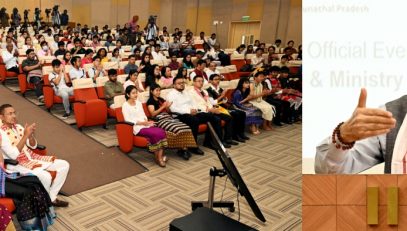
(216, 79)
(11, 113)
(180, 83)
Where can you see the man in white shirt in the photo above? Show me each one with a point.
(157, 54)
(200, 97)
(163, 44)
(10, 56)
(16, 143)
(212, 70)
(257, 60)
(76, 71)
(97, 69)
(54, 44)
(58, 80)
(212, 40)
(188, 113)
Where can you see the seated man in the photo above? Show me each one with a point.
(157, 54)
(201, 101)
(131, 65)
(187, 113)
(77, 49)
(97, 69)
(175, 47)
(112, 88)
(33, 68)
(174, 64)
(58, 80)
(45, 51)
(10, 56)
(76, 71)
(16, 142)
(218, 97)
(199, 71)
(61, 49)
(212, 70)
(258, 60)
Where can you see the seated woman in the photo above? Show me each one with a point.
(133, 112)
(34, 209)
(166, 78)
(187, 62)
(153, 75)
(115, 56)
(102, 54)
(241, 99)
(182, 72)
(179, 135)
(133, 80)
(66, 60)
(145, 64)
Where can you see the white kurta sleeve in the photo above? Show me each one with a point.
(365, 154)
(9, 151)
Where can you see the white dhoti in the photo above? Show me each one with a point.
(53, 187)
(267, 110)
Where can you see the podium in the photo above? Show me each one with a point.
(205, 219)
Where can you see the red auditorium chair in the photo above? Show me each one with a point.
(100, 89)
(4, 74)
(8, 202)
(49, 95)
(88, 108)
(238, 61)
(23, 84)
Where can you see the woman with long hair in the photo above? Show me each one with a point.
(240, 100)
(66, 60)
(182, 72)
(102, 54)
(145, 64)
(115, 56)
(187, 62)
(153, 76)
(179, 135)
(166, 77)
(133, 112)
(133, 80)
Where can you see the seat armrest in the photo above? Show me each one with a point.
(41, 147)
(126, 123)
(10, 161)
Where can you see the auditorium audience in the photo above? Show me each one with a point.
(131, 65)
(112, 88)
(257, 60)
(174, 64)
(61, 49)
(166, 78)
(179, 135)
(241, 99)
(10, 58)
(187, 62)
(133, 112)
(76, 72)
(44, 51)
(96, 70)
(157, 54)
(116, 56)
(201, 101)
(145, 64)
(88, 57)
(66, 59)
(102, 54)
(59, 79)
(77, 49)
(218, 96)
(132, 79)
(32, 67)
(199, 71)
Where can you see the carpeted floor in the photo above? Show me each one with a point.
(92, 164)
(269, 163)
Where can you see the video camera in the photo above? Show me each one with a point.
(152, 19)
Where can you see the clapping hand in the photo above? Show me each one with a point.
(29, 129)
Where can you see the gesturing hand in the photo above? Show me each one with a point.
(29, 129)
(366, 122)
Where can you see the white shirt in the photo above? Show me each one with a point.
(9, 150)
(181, 101)
(255, 61)
(134, 114)
(92, 72)
(209, 72)
(76, 73)
(200, 102)
(9, 59)
(193, 74)
(211, 42)
(61, 83)
(158, 56)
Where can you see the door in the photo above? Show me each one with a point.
(243, 33)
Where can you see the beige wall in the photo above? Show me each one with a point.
(279, 18)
